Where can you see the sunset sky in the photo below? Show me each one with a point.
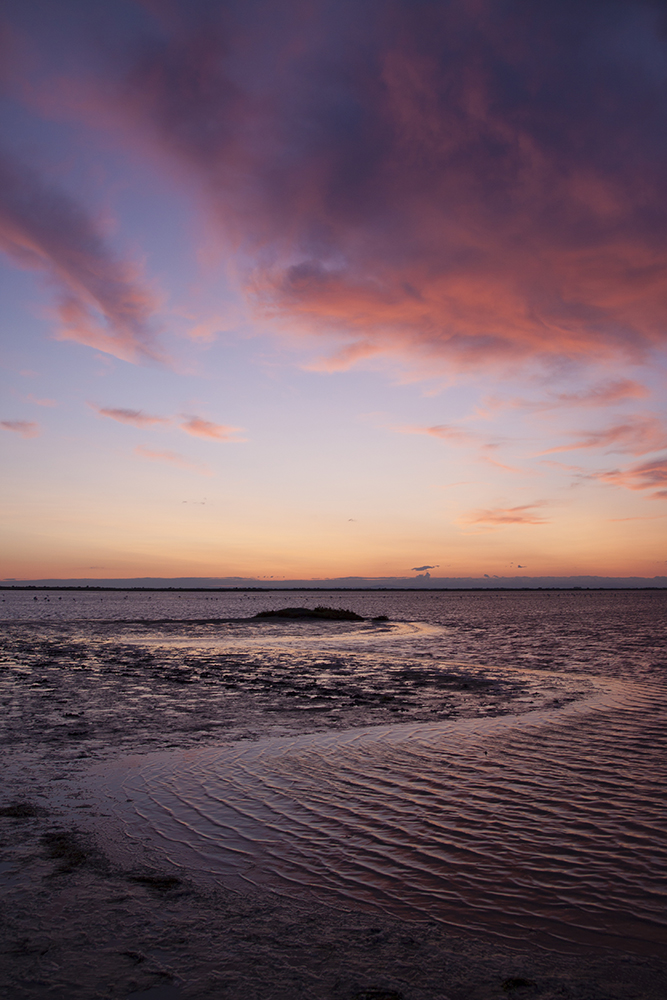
(309, 289)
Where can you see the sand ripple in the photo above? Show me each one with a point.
(546, 827)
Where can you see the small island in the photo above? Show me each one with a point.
(338, 614)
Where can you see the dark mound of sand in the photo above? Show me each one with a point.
(339, 614)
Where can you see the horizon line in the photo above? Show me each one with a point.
(421, 582)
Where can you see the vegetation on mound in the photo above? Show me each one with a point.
(339, 614)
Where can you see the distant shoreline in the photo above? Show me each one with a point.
(314, 590)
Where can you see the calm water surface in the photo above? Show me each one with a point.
(548, 826)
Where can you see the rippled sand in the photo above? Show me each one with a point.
(324, 814)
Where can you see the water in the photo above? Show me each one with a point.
(545, 825)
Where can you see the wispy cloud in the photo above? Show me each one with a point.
(103, 302)
(346, 357)
(647, 517)
(452, 433)
(205, 332)
(196, 426)
(635, 436)
(602, 394)
(498, 516)
(207, 429)
(460, 436)
(41, 402)
(644, 476)
(446, 432)
(172, 458)
(503, 465)
(551, 464)
(127, 416)
(26, 428)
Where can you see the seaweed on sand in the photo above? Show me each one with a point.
(67, 848)
(159, 883)
(378, 994)
(22, 810)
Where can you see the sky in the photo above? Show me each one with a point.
(309, 289)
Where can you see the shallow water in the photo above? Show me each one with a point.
(548, 826)
(547, 830)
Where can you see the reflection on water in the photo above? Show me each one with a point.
(548, 829)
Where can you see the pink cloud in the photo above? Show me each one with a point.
(206, 429)
(645, 476)
(647, 517)
(459, 436)
(102, 303)
(41, 402)
(346, 357)
(446, 432)
(501, 465)
(561, 465)
(26, 428)
(603, 394)
(498, 516)
(125, 416)
(204, 333)
(172, 458)
(443, 181)
(416, 201)
(636, 436)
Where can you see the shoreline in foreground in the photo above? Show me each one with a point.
(82, 921)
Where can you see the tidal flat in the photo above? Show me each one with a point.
(102, 899)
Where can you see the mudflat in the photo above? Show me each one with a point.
(81, 920)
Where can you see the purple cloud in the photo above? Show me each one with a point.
(127, 416)
(26, 428)
(102, 302)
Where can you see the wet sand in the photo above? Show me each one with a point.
(80, 920)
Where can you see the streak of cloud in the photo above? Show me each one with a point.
(102, 302)
(207, 429)
(446, 432)
(646, 475)
(451, 433)
(172, 458)
(603, 394)
(498, 516)
(125, 416)
(26, 428)
(636, 436)
(503, 465)
(646, 517)
(41, 402)
(459, 436)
